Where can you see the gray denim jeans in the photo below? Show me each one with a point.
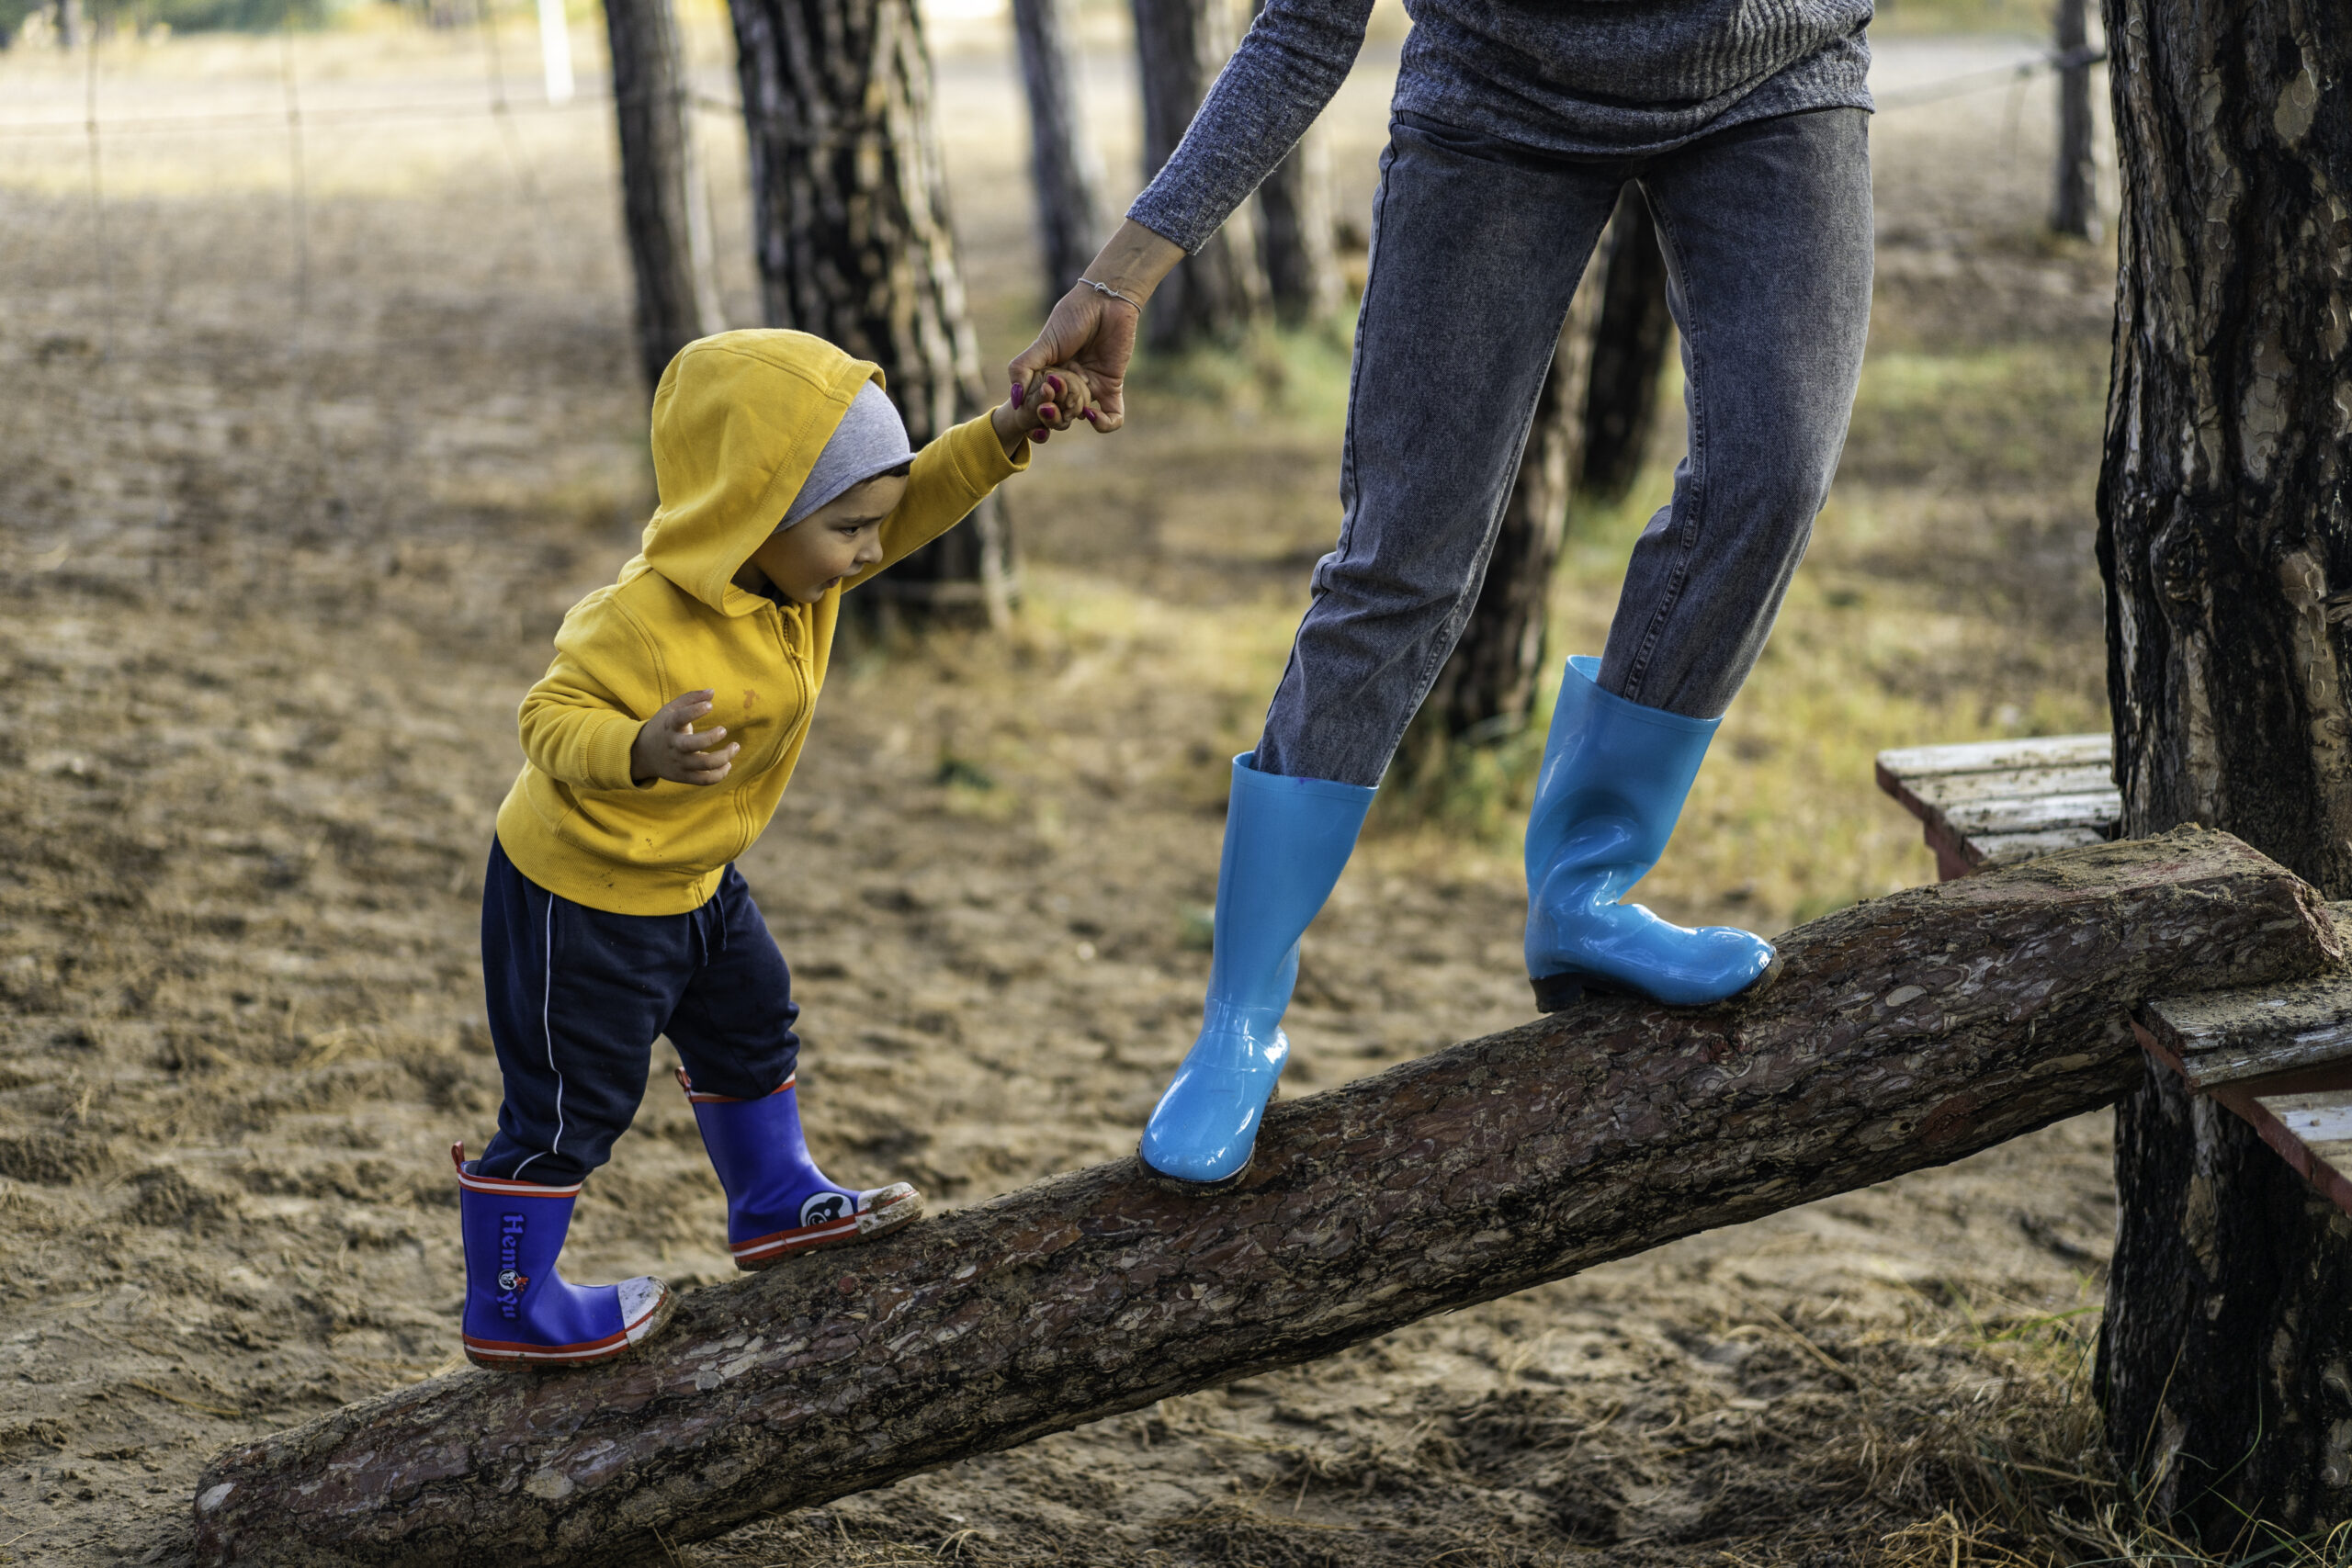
(1477, 245)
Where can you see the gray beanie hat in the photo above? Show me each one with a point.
(870, 440)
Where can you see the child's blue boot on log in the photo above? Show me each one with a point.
(519, 1311)
(1615, 774)
(778, 1202)
(1286, 840)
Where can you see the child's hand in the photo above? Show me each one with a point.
(1060, 398)
(668, 748)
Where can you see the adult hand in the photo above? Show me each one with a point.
(1092, 334)
(1095, 333)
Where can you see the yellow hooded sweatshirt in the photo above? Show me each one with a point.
(739, 420)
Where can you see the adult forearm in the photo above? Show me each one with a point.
(1134, 260)
(1297, 53)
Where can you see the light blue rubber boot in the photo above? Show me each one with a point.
(1615, 774)
(1286, 840)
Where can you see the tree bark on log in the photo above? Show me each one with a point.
(1630, 343)
(849, 211)
(1488, 686)
(2226, 537)
(1905, 1033)
(1180, 45)
(1062, 163)
(664, 207)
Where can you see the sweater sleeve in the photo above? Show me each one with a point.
(1295, 58)
(576, 727)
(951, 476)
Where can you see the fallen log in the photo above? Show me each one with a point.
(1903, 1032)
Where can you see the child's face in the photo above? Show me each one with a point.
(839, 539)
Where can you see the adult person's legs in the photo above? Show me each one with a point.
(1477, 248)
(1766, 232)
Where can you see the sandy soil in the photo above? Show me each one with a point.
(284, 528)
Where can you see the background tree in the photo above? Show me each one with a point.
(1067, 175)
(664, 207)
(849, 216)
(1488, 685)
(1629, 343)
(1180, 47)
(2226, 537)
(1294, 234)
(2072, 210)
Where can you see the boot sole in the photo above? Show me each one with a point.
(1557, 993)
(1186, 1184)
(556, 1359)
(871, 1222)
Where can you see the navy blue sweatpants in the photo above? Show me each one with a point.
(577, 995)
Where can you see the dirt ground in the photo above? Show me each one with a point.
(295, 492)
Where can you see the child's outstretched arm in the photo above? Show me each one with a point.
(956, 473)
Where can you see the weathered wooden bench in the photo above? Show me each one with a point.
(2279, 1056)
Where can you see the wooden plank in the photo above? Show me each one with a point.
(1989, 756)
(2262, 1036)
(1985, 850)
(2036, 815)
(2311, 1131)
(1945, 790)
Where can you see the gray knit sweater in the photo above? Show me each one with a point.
(1597, 77)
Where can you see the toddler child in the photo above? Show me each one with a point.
(659, 743)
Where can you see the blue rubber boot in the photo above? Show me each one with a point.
(1615, 774)
(778, 1202)
(1286, 840)
(519, 1311)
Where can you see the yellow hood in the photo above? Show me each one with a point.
(738, 420)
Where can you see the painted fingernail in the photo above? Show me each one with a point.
(1046, 410)
(1016, 394)
(1054, 383)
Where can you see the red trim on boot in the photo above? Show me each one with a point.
(502, 1184)
(695, 1094)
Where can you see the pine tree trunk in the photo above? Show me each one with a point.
(1067, 174)
(1180, 47)
(1488, 685)
(849, 218)
(2071, 210)
(1294, 234)
(2226, 537)
(663, 206)
(1630, 343)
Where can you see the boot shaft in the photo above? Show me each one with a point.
(1287, 842)
(1614, 778)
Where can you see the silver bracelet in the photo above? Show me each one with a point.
(1106, 288)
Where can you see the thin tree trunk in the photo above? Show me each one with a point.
(1630, 345)
(2226, 537)
(1905, 1033)
(849, 218)
(664, 207)
(2071, 209)
(1067, 174)
(1488, 685)
(1294, 234)
(1180, 47)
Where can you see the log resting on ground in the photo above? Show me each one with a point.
(1903, 1032)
